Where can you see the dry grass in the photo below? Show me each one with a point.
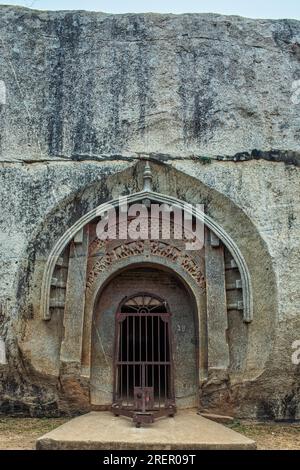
(21, 433)
(271, 436)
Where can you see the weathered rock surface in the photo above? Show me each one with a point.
(213, 100)
(86, 84)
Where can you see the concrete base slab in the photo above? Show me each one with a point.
(103, 431)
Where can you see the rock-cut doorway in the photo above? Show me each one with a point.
(143, 358)
(145, 341)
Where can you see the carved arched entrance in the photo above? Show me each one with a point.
(145, 340)
(82, 267)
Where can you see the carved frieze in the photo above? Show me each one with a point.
(193, 269)
(140, 247)
(96, 245)
(120, 252)
(165, 250)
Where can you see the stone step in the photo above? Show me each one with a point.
(103, 431)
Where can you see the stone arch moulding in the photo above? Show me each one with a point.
(158, 198)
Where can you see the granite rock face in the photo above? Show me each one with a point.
(214, 102)
(86, 84)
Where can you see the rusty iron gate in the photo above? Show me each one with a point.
(143, 365)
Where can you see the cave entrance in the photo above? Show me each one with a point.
(143, 363)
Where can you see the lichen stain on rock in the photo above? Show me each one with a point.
(68, 33)
(197, 105)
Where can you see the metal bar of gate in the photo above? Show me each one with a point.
(146, 357)
(143, 386)
(140, 357)
(121, 355)
(165, 367)
(152, 339)
(159, 358)
(127, 367)
(133, 356)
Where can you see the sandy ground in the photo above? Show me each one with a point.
(21, 433)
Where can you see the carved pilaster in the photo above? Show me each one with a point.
(218, 351)
(75, 298)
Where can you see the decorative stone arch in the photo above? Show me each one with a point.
(144, 261)
(215, 228)
(101, 353)
(80, 267)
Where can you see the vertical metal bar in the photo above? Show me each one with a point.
(133, 318)
(117, 379)
(127, 355)
(143, 387)
(165, 366)
(116, 362)
(121, 358)
(140, 340)
(139, 344)
(152, 359)
(146, 331)
(159, 358)
(171, 371)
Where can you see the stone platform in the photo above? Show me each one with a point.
(103, 431)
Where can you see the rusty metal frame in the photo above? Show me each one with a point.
(142, 405)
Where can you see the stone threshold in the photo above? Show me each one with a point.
(103, 431)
